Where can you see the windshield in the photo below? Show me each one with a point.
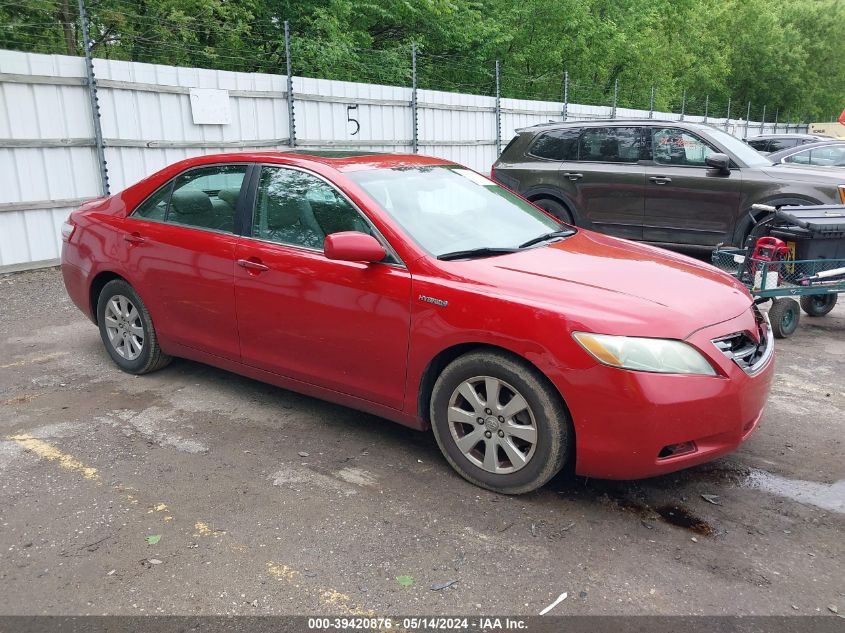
(739, 149)
(448, 208)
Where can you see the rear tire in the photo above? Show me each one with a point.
(784, 316)
(127, 330)
(818, 305)
(556, 209)
(525, 433)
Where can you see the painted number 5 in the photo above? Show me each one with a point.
(352, 119)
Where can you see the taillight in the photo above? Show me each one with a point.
(492, 173)
(67, 231)
(842, 194)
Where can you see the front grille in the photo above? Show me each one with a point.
(748, 351)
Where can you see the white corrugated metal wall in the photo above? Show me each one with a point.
(48, 161)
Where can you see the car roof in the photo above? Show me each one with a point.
(775, 136)
(335, 159)
(789, 151)
(554, 125)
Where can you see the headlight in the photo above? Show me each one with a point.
(660, 355)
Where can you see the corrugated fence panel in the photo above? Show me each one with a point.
(48, 159)
(42, 111)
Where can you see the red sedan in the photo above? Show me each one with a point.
(421, 291)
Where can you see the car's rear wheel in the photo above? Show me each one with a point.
(555, 208)
(499, 423)
(818, 305)
(127, 329)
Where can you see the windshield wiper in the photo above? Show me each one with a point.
(546, 237)
(484, 251)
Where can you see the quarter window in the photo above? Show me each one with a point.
(610, 144)
(557, 145)
(299, 209)
(671, 146)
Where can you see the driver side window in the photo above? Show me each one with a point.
(671, 146)
(298, 209)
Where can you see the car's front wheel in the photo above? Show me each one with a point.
(127, 329)
(499, 423)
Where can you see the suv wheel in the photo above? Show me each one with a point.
(127, 329)
(498, 423)
(555, 208)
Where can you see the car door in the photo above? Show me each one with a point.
(337, 324)
(686, 201)
(179, 248)
(609, 180)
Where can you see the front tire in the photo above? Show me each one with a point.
(499, 423)
(127, 331)
(784, 316)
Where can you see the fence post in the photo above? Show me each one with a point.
(728, 115)
(615, 97)
(747, 118)
(777, 112)
(763, 119)
(414, 96)
(565, 112)
(683, 104)
(94, 101)
(289, 65)
(706, 107)
(651, 105)
(498, 111)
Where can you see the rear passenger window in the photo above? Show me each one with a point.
(778, 144)
(557, 145)
(205, 198)
(610, 144)
(761, 145)
(155, 207)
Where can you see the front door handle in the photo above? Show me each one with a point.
(573, 176)
(253, 264)
(133, 238)
(660, 180)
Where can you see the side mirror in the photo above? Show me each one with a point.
(352, 246)
(719, 161)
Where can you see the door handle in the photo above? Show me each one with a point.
(253, 264)
(573, 176)
(660, 180)
(133, 238)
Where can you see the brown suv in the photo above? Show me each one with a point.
(670, 182)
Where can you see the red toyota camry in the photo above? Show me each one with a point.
(421, 291)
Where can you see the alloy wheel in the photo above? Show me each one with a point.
(124, 327)
(492, 425)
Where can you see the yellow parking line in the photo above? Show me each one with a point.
(328, 597)
(50, 452)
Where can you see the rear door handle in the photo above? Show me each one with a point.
(133, 238)
(660, 180)
(253, 264)
(573, 176)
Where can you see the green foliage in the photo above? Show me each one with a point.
(787, 54)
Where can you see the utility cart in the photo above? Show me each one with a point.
(791, 252)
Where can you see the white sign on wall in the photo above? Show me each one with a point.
(210, 106)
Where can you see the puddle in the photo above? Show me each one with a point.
(681, 517)
(825, 496)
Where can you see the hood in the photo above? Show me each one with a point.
(604, 284)
(826, 175)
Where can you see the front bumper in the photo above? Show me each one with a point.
(625, 420)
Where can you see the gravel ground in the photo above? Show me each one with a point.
(196, 491)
